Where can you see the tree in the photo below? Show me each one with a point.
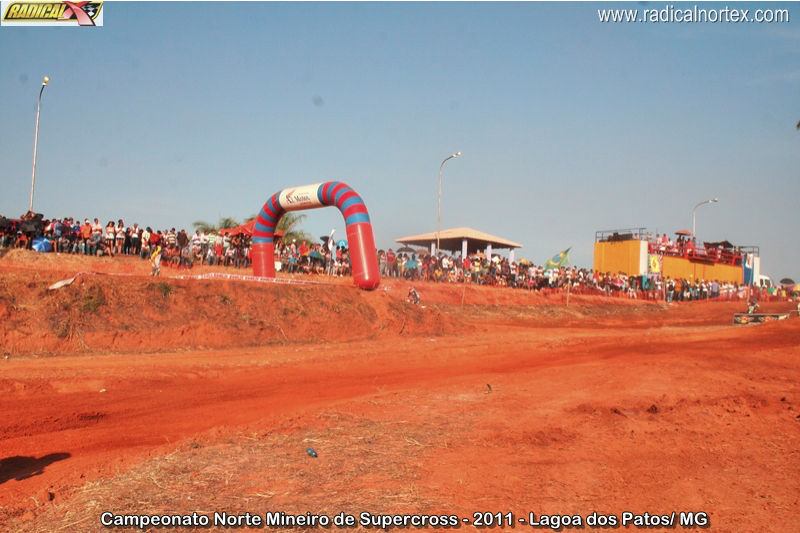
(289, 226)
(224, 223)
(228, 223)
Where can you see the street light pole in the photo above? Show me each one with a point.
(36, 139)
(712, 201)
(439, 214)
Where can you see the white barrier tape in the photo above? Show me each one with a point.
(210, 275)
(240, 277)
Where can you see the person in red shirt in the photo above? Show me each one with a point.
(155, 238)
(303, 251)
(391, 263)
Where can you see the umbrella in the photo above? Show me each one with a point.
(787, 281)
(42, 245)
(683, 232)
(406, 250)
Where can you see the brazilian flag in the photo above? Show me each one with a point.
(558, 260)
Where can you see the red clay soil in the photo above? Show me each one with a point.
(135, 395)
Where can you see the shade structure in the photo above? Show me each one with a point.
(245, 229)
(452, 239)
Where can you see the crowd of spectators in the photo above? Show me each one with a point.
(684, 246)
(312, 258)
(178, 248)
(500, 271)
(183, 250)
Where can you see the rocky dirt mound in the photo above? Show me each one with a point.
(126, 314)
(116, 306)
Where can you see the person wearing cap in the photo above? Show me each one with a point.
(135, 239)
(86, 236)
(144, 242)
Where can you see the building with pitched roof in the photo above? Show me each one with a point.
(468, 240)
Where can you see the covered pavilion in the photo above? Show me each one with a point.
(468, 240)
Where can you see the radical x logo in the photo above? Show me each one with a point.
(37, 13)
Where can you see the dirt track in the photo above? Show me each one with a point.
(520, 405)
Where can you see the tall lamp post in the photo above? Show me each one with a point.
(36, 139)
(439, 213)
(712, 201)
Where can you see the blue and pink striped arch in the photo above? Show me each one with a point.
(360, 238)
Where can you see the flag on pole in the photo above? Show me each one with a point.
(331, 242)
(655, 264)
(558, 260)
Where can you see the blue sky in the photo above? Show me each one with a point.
(176, 112)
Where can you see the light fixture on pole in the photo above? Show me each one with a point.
(712, 201)
(439, 213)
(36, 138)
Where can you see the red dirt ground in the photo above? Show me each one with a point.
(127, 394)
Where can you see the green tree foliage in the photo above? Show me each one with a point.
(289, 224)
(224, 223)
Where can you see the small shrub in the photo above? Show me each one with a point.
(163, 288)
(93, 300)
(62, 331)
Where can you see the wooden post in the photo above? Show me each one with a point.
(568, 286)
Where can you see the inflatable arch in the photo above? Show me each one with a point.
(359, 229)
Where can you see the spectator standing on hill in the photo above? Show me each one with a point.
(196, 240)
(303, 250)
(391, 264)
(182, 239)
(97, 230)
(411, 267)
(86, 236)
(218, 250)
(136, 239)
(156, 238)
(171, 239)
(715, 289)
(120, 237)
(144, 238)
(204, 242)
(382, 262)
(110, 239)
